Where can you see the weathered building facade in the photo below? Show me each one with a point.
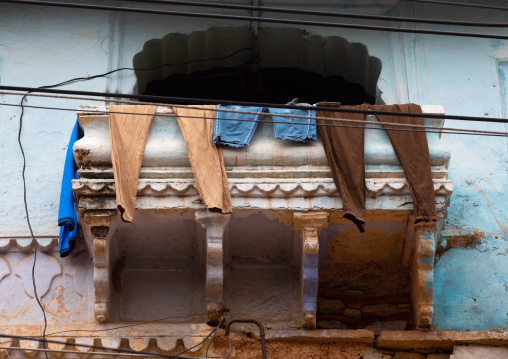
(285, 256)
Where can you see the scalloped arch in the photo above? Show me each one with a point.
(278, 47)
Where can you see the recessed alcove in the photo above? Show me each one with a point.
(365, 278)
(262, 262)
(159, 268)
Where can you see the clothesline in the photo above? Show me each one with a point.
(415, 126)
(197, 101)
(376, 127)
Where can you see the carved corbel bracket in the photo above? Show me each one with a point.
(214, 225)
(98, 223)
(422, 273)
(309, 225)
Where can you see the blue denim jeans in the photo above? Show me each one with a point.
(295, 129)
(237, 129)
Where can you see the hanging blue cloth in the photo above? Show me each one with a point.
(67, 216)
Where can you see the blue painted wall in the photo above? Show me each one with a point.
(43, 46)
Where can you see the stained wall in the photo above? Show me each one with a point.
(43, 46)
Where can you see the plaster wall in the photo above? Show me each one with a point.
(42, 46)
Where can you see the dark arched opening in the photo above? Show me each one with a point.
(217, 64)
(271, 85)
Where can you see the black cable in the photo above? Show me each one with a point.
(253, 18)
(462, 4)
(118, 350)
(319, 13)
(113, 328)
(208, 336)
(230, 348)
(34, 241)
(254, 104)
(77, 79)
(390, 128)
(211, 340)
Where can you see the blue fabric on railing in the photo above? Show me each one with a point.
(67, 216)
(236, 129)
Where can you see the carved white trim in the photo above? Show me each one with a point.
(214, 225)
(282, 189)
(309, 225)
(164, 337)
(25, 244)
(98, 223)
(422, 273)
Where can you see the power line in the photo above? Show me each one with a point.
(319, 13)
(252, 18)
(462, 132)
(440, 129)
(462, 4)
(197, 101)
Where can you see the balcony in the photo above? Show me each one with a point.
(284, 245)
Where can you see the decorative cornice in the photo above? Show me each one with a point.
(256, 188)
(25, 244)
(165, 340)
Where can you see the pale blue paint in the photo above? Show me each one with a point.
(468, 76)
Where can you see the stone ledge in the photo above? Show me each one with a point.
(411, 340)
(319, 336)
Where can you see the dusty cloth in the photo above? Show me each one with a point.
(412, 150)
(206, 159)
(128, 134)
(344, 148)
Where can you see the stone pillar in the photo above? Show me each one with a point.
(309, 225)
(214, 225)
(422, 273)
(99, 223)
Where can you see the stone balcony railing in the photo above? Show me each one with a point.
(283, 196)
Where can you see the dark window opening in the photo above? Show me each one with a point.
(269, 85)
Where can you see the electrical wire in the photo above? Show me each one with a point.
(253, 104)
(24, 161)
(230, 347)
(440, 129)
(457, 131)
(462, 4)
(211, 341)
(118, 350)
(34, 241)
(319, 13)
(114, 328)
(202, 342)
(76, 352)
(253, 18)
